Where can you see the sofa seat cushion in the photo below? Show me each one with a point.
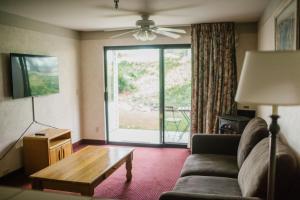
(208, 185)
(210, 165)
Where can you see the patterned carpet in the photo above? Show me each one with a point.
(155, 170)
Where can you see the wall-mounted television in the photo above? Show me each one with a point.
(33, 75)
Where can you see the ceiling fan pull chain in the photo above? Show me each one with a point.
(116, 4)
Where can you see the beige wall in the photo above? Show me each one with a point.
(247, 41)
(60, 110)
(289, 116)
(92, 64)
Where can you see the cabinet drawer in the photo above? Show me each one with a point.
(60, 152)
(54, 155)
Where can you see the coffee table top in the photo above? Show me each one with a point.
(84, 166)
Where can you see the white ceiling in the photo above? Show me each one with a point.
(87, 15)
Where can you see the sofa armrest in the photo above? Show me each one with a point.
(194, 196)
(215, 144)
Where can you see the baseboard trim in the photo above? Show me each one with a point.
(88, 141)
(94, 142)
(76, 145)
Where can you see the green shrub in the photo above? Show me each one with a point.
(178, 95)
(171, 63)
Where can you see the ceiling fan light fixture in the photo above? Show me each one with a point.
(150, 35)
(135, 35)
(144, 35)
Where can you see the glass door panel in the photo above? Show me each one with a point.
(177, 95)
(133, 95)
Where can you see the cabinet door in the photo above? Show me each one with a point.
(66, 149)
(55, 155)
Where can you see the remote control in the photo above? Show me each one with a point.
(39, 134)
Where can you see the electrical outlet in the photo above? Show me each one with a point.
(97, 129)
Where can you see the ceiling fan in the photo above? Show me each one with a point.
(146, 30)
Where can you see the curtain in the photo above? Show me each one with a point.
(214, 75)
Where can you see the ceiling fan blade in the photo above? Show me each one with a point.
(168, 34)
(122, 34)
(171, 30)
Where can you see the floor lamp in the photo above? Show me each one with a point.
(270, 78)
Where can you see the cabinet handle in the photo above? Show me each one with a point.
(63, 152)
(59, 155)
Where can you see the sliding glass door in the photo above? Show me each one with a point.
(177, 95)
(147, 93)
(133, 95)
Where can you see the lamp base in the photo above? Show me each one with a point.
(274, 129)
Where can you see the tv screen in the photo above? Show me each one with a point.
(34, 75)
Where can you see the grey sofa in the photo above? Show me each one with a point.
(233, 167)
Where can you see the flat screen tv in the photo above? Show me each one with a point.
(33, 75)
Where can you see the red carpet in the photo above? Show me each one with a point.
(155, 170)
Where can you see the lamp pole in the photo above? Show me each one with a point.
(274, 129)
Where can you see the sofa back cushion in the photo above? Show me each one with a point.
(252, 177)
(255, 131)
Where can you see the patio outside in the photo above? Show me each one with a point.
(134, 93)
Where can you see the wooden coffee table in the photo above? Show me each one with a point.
(84, 170)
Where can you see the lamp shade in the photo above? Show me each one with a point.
(270, 78)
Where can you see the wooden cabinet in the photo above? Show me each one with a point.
(41, 151)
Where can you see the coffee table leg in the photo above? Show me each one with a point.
(129, 167)
(87, 191)
(37, 184)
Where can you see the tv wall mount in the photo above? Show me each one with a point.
(34, 121)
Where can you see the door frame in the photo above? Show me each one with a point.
(161, 49)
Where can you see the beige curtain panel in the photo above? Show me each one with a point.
(214, 80)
